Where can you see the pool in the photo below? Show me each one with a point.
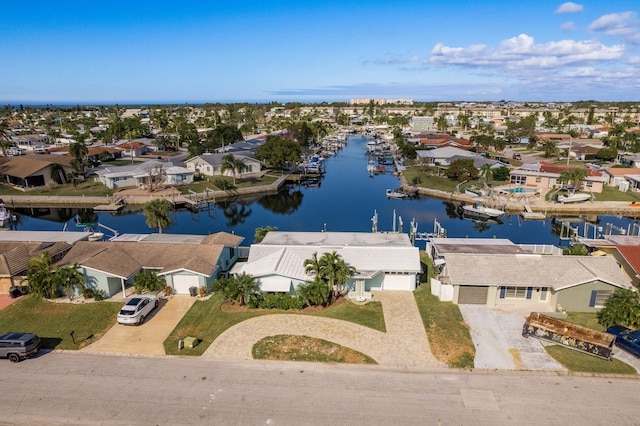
(519, 190)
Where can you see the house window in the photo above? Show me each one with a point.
(538, 179)
(599, 298)
(515, 292)
(518, 180)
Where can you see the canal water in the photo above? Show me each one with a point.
(346, 199)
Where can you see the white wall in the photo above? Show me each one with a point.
(444, 292)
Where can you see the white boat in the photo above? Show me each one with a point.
(481, 211)
(573, 198)
(371, 167)
(395, 193)
(5, 215)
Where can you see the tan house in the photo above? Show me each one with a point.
(546, 176)
(33, 170)
(14, 259)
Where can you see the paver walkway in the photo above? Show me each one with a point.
(148, 338)
(405, 343)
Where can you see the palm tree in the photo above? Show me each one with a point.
(312, 266)
(229, 162)
(5, 137)
(550, 148)
(574, 176)
(315, 292)
(70, 279)
(148, 280)
(156, 212)
(42, 282)
(244, 286)
(486, 172)
(335, 271)
(78, 151)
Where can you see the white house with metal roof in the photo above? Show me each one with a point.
(573, 283)
(383, 261)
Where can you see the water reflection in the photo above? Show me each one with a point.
(285, 202)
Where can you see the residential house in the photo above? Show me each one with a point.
(621, 177)
(625, 249)
(211, 164)
(32, 143)
(15, 255)
(571, 283)
(383, 261)
(139, 174)
(33, 170)
(546, 176)
(135, 148)
(185, 261)
(444, 156)
(629, 160)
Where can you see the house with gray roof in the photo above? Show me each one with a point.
(210, 164)
(139, 173)
(541, 282)
(383, 261)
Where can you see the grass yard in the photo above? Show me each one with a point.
(448, 334)
(208, 183)
(53, 321)
(88, 188)
(610, 193)
(303, 348)
(585, 319)
(207, 319)
(577, 361)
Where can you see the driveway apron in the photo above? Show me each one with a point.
(404, 344)
(497, 335)
(148, 338)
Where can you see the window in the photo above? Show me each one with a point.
(518, 180)
(538, 179)
(515, 292)
(599, 298)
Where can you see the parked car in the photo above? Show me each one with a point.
(18, 346)
(137, 309)
(626, 338)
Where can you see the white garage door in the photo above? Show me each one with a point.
(182, 283)
(398, 282)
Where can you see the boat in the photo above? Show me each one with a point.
(5, 215)
(371, 168)
(478, 210)
(573, 198)
(396, 193)
(634, 204)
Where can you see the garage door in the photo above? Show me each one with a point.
(182, 283)
(472, 295)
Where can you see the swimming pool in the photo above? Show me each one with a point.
(519, 190)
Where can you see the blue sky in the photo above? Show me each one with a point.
(280, 50)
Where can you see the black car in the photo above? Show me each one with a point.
(626, 338)
(18, 346)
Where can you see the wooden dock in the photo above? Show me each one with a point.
(529, 214)
(115, 204)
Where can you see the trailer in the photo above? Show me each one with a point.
(556, 330)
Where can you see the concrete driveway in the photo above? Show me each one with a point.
(148, 338)
(497, 335)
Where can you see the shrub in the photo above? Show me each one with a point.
(281, 301)
(87, 293)
(98, 295)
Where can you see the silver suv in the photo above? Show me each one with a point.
(18, 346)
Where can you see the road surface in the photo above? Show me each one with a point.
(78, 388)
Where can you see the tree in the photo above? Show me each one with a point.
(42, 282)
(335, 271)
(607, 154)
(78, 152)
(623, 307)
(262, 232)
(148, 280)
(5, 137)
(312, 266)
(573, 176)
(279, 153)
(156, 212)
(242, 287)
(157, 174)
(550, 148)
(57, 173)
(486, 172)
(235, 165)
(315, 293)
(224, 184)
(462, 169)
(501, 173)
(69, 278)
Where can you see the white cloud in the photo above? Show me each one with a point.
(625, 25)
(569, 7)
(522, 52)
(568, 26)
(395, 60)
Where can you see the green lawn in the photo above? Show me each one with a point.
(585, 319)
(577, 361)
(303, 348)
(206, 320)
(448, 334)
(208, 183)
(610, 193)
(53, 321)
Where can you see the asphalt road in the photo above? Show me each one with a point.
(76, 388)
